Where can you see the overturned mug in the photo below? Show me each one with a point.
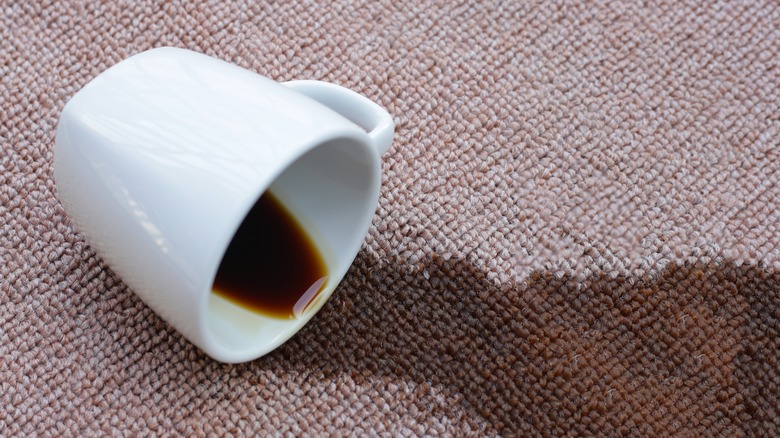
(160, 160)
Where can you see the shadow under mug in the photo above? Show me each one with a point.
(159, 159)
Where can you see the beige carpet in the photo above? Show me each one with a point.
(578, 230)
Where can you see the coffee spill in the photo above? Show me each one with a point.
(271, 266)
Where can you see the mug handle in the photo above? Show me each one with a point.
(357, 108)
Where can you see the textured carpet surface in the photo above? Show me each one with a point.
(578, 231)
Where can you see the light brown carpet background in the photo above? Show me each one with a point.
(578, 231)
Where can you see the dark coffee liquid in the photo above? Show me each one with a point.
(271, 266)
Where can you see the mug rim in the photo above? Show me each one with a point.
(250, 352)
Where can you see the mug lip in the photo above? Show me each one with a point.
(251, 352)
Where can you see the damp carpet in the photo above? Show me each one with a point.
(578, 231)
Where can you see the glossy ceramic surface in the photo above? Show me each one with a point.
(159, 158)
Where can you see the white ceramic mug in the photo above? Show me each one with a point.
(159, 159)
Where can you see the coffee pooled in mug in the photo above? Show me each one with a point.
(271, 266)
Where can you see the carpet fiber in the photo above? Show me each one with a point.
(578, 231)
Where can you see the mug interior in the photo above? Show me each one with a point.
(332, 192)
